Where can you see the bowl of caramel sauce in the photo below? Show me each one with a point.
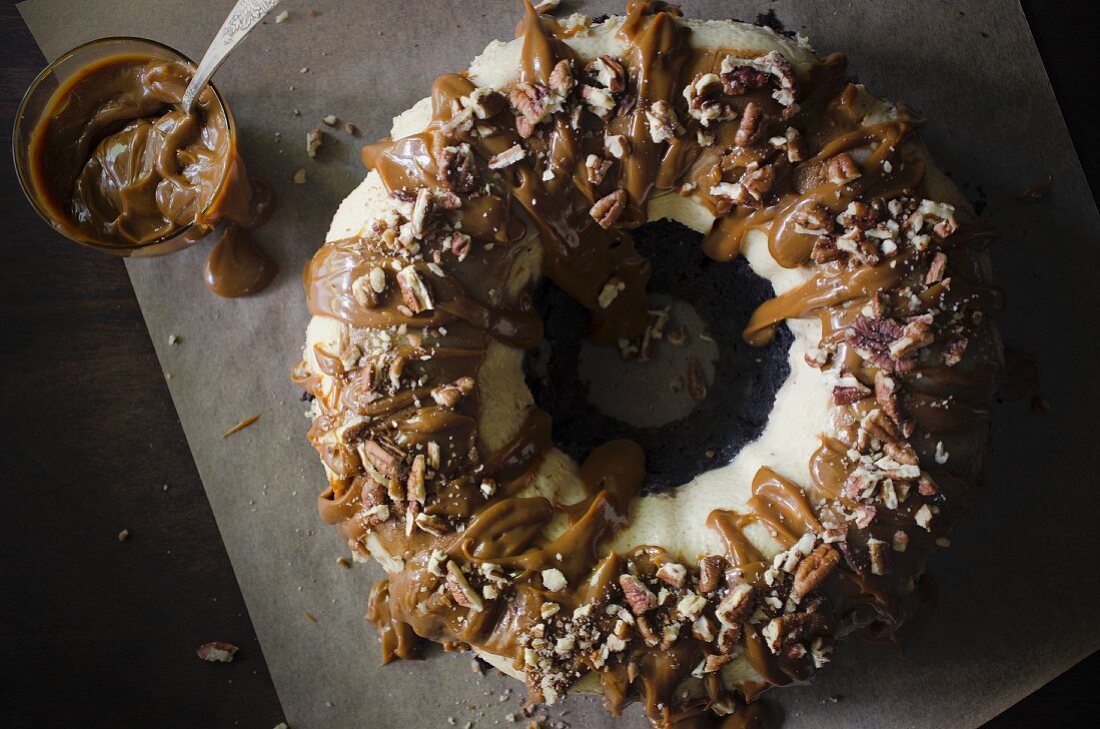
(108, 157)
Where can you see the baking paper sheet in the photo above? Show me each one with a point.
(1019, 585)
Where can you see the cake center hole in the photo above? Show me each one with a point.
(594, 394)
(661, 385)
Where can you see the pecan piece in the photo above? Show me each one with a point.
(737, 605)
(872, 339)
(460, 589)
(751, 126)
(507, 158)
(886, 395)
(825, 250)
(711, 568)
(742, 79)
(793, 628)
(451, 394)
(530, 101)
(384, 460)
(608, 209)
(662, 122)
(640, 598)
(415, 483)
(414, 290)
(812, 570)
(917, 333)
(936, 269)
(372, 493)
(561, 80)
(608, 72)
(954, 350)
(672, 574)
(880, 556)
(758, 182)
(455, 169)
(848, 394)
(842, 169)
(217, 652)
(597, 168)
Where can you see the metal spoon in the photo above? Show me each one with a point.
(243, 18)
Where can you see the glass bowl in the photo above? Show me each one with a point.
(40, 98)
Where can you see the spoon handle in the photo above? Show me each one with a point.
(243, 18)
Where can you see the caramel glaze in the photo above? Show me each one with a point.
(383, 419)
(116, 162)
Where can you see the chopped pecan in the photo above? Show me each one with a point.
(415, 484)
(672, 574)
(876, 424)
(729, 637)
(599, 100)
(597, 168)
(793, 628)
(524, 128)
(848, 394)
(371, 493)
(737, 605)
(649, 636)
(530, 101)
(901, 452)
(460, 589)
(451, 394)
(825, 250)
(455, 169)
(742, 79)
(812, 570)
(917, 333)
(872, 338)
(856, 558)
(702, 96)
(364, 292)
(886, 395)
(508, 157)
(561, 80)
(608, 72)
(640, 598)
(414, 290)
(946, 227)
(954, 350)
(711, 569)
(608, 209)
(751, 126)
(217, 652)
(797, 148)
(424, 208)
(662, 122)
(384, 460)
(842, 169)
(880, 556)
(758, 182)
(936, 269)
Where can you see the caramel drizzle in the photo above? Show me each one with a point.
(507, 530)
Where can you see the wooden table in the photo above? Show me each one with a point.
(98, 632)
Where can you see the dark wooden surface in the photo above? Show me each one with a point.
(101, 633)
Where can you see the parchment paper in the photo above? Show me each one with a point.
(1019, 585)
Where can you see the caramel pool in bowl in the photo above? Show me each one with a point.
(112, 161)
